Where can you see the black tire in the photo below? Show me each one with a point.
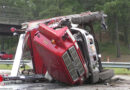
(106, 74)
(94, 78)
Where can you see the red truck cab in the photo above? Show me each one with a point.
(63, 51)
(60, 54)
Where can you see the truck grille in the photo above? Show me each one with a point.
(73, 63)
(76, 60)
(70, 66)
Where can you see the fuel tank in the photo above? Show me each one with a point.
(61, 54)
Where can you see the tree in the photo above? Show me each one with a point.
(120, 17)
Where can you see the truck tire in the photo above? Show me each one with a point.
(106, 74)
(94, 78)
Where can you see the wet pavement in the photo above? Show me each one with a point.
(119, 82)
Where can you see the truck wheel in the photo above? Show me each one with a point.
(106, 74)
(94, 78)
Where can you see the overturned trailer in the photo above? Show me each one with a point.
(63, 50)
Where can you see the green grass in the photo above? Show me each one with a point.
(121, 71)
(9, 67)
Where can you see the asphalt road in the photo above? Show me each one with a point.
(120, 82)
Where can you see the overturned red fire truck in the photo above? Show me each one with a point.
(62, 49)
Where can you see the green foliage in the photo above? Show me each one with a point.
(118, 10)
(39, 9)
(108, 49)
(10, 43)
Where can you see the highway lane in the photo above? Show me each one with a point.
(118, 82)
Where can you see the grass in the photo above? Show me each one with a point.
(121, 71)
(9, 67)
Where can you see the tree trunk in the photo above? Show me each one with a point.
(100, 36)
(126, 36)
(129, 39)
(117, 39)
(2, 43)
(113, 37)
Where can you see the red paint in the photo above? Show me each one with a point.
(13, 29)
(51, 54)
(38, 64)
(1, 78)
(6, 56)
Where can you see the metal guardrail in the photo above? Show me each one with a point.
(11, 61)
(116, 64)
(104, 64)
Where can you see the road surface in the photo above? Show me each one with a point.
(118, 82)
